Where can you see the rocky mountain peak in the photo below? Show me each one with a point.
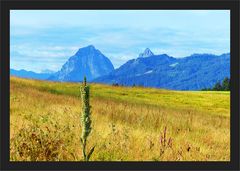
(147, 53)
(88, 49)
(88, 61)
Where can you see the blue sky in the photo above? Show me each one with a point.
(45, 39)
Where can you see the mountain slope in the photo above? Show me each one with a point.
(88, 62)
(195, 72)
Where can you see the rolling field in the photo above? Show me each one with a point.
(129, 123)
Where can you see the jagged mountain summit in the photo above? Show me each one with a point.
(88, 61)
(147, 53)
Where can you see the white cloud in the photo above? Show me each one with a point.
(40, 58)
(47, 38)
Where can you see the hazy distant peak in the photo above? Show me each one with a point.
(90, 47)
(47, 71)
(147, 53)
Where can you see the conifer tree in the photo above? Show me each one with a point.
(217, 86)
(226, 84)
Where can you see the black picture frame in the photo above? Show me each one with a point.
(7, 5)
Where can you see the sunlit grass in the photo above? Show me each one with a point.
(127, 121)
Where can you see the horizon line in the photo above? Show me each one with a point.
(193, 54)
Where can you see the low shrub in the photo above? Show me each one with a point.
(35, 143)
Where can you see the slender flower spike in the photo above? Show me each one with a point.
(85, 119)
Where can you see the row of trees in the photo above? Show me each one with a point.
(220, 86)
(134, 85)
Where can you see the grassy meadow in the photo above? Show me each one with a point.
(129, 123)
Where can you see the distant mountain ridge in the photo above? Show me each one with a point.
(29, 74)
(193, 72)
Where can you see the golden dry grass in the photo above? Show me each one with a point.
(128, 123)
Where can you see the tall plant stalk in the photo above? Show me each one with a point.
(85, 120)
